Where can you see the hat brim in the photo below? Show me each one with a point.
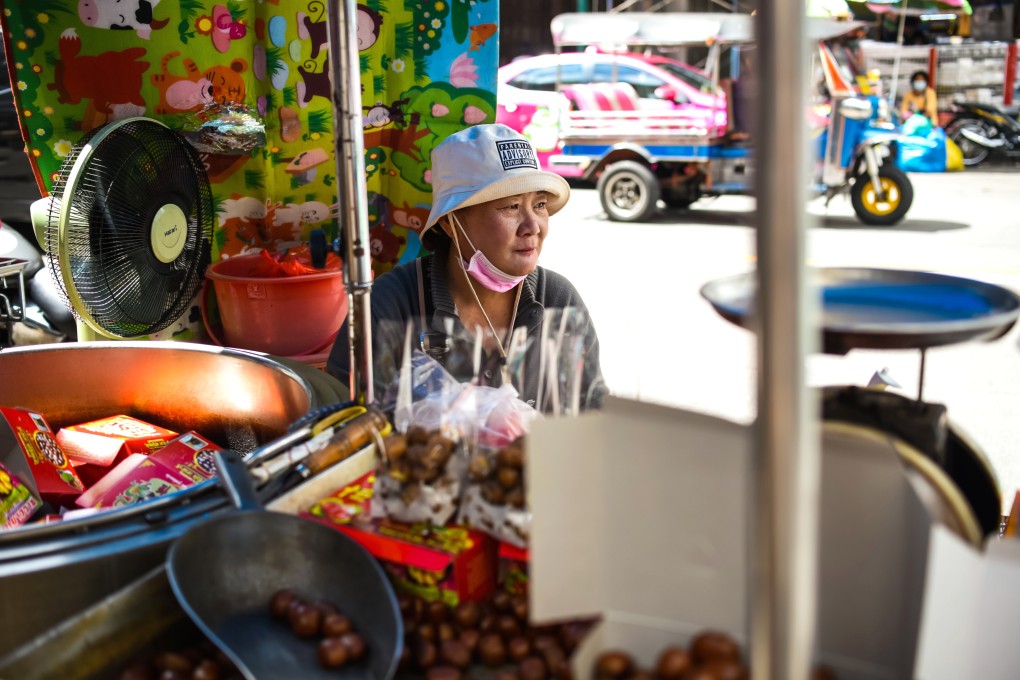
(520, 183)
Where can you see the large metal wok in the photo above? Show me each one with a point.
(224, 573)
(220, 392)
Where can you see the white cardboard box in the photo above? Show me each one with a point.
(641, 516)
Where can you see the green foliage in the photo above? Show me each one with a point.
(364, 63)
(288, 200)
(220, 238)
(311, 196)
(376, 5)
(217, 203)
(289, 96)
(460, 20)
(296, 181)
(72, 124)
(51, 6)
(328, 180)
(321, 121)
(189, 10)
(271, 103)
(403, 41)
(237, 11)
(274, 60)
(421, 68)
(379, 82)
(254, 179)
(52, 57)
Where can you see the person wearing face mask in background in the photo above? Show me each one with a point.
(489, 220)
(920, 99)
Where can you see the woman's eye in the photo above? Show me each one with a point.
(541, 205)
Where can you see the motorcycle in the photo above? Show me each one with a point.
(985, 130)
(32, 311)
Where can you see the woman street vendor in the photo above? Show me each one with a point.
(489, 219)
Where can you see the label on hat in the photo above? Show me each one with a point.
(516, 154)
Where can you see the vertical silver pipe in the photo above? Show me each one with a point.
(345, 75)
(787, 465)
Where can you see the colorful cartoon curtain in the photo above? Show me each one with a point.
(428, 69)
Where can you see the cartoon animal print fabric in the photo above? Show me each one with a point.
(427, 69)
(196, 89)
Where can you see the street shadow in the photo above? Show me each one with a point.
(852, 223)
(741, 218)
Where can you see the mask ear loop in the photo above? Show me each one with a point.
(455, 223)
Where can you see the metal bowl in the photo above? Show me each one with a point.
(865, 308)
(216, 391)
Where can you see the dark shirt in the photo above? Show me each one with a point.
(395, 302)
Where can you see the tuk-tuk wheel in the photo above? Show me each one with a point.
(629, 192)
(899, 194)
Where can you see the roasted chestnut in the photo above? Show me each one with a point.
(355, 645)
(443, 673)
(335, 625)
(532, 668)
(333, 652)
(614, 664)
(713, 645)
(467, 614)
(674, 662)
(172, 661)
(492, 650)
(455, 653)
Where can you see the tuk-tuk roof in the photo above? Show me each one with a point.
(672, 28)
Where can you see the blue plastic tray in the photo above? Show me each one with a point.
(885, 308)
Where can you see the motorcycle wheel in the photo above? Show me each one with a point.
(899, 193)
(629, 192)
(973, 153)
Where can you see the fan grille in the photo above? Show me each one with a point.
(105, 239)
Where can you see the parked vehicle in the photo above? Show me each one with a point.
(637, 156)
(530, 87)
(31, 308)
(984, 131)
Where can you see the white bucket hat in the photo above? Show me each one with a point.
(484, 163)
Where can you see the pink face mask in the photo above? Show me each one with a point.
(481, 269)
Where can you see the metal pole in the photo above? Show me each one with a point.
(786, 476)
(345, 74)
(896, 60)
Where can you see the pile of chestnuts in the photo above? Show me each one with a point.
(200, 661)
(711, 656)
(501, 476)
(451, 643)
(416, 458)
(339, 643)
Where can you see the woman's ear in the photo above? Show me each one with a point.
(446, 225)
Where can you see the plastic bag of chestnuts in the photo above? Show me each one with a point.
(418, 477)
(494, 495)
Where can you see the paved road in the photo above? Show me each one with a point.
(662, 342)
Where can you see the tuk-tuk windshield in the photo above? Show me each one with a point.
(695, 79)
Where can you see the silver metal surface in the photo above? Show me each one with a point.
(787, 478)
(893, 325)
(180, 385)
(350, 160)
(225, 571)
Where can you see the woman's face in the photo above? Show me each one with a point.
(509, 231)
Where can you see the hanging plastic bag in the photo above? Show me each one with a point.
(494, 495)
(418, 477)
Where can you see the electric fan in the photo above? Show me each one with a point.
(127, 229)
